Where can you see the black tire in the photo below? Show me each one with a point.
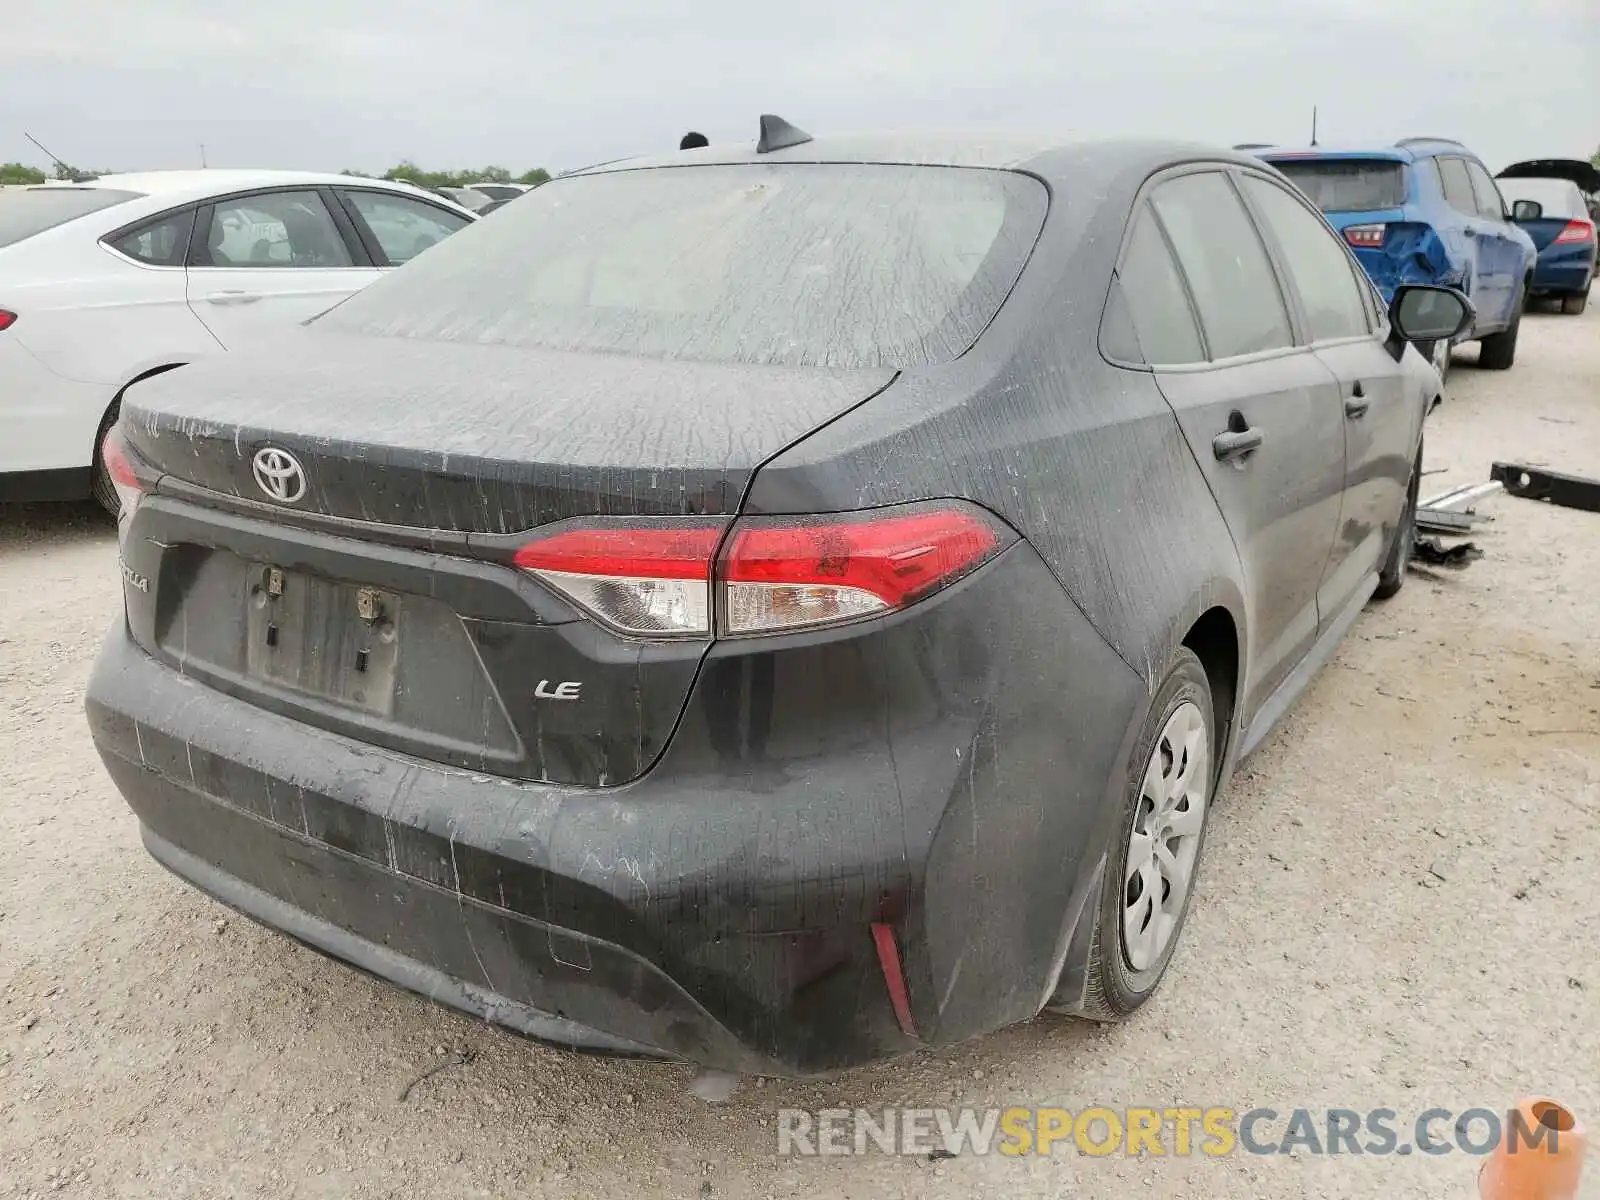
(100, 485)
(1393, 575)
(1113, 989)
(1499, 350)
(1573, 306)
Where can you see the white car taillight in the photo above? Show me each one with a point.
(114, 454)
(662, 579)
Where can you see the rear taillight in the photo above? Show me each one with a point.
(665, 579)
(7, 319)
(114, 454)
(781, 574)
(1576, 231)
(646, 578)
(1366, 236)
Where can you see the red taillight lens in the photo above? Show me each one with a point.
(1367, 236)
(780, 574)
(656, 578)
(7, 319)
(650, 579)
(114, 454)
(1576, 231)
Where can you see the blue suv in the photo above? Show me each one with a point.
(1425, 210)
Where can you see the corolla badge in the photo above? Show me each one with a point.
(279, 474)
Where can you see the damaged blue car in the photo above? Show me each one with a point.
(1425, 210)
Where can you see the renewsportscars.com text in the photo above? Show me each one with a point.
(1180, 1132)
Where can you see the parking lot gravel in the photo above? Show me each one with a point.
(1397, 910)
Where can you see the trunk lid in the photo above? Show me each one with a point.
(1585, 175)
(382, 604)
(480, 439)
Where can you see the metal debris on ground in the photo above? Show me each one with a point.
(1536, 483)
(1434, 553)
(459, 1059)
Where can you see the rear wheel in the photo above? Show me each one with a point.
(1393, 575)
(1574, 305)
(1499, 350)
(1155, 854)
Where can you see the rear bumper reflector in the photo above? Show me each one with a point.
(893, 977)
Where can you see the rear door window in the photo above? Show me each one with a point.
(163, 242)
(27, 211)
(1348, 184)
(1229, 273)
(1458, 193)
(1319, 267)
(274, 230)
(1157, 302)
(1490, 206)
(834, 265)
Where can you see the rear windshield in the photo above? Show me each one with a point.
(804, 265)
(27, 211)
(1348, 184)
(1558, 197)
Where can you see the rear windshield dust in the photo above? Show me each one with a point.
(802, 265)
(1349, 184)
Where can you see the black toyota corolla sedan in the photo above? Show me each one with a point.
(772, 607)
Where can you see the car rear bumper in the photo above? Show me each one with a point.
(1564, 272)
(720, 909)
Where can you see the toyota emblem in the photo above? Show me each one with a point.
(279, 474)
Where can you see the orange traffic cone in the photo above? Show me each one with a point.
(1539, 1158)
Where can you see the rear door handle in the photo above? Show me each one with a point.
(1356, 404)
(1236, 444)
(233, 297)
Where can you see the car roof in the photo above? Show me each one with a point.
(186, 185)
(1051, 156)
(1380, 153)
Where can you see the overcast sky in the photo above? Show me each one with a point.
(448, 83)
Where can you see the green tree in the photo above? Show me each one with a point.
(18, 173)
(1595, 158)
(534, 177)
(407, 171)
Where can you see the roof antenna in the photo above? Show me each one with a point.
(778, 134)
(1313, 124)
(59, 165)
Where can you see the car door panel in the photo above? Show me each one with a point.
(266, 261)
(1261, 417)
(1382, 420)
(1281, 501)
(1331, 297)
(1498, 242)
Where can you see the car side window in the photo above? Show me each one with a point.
(404, 227)
(1490, 204)
(1458, 193)
(1319, 267)
(1163, 320)
(272, 230)
(160, 243)
(1241, 309)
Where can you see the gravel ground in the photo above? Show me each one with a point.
(1397, 910)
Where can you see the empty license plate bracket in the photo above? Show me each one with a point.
(324, 638)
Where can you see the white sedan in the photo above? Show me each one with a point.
(105, 283)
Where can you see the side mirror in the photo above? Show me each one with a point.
(1527, 210)
(1424, 313)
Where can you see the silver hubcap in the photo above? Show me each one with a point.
(1166, 836)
